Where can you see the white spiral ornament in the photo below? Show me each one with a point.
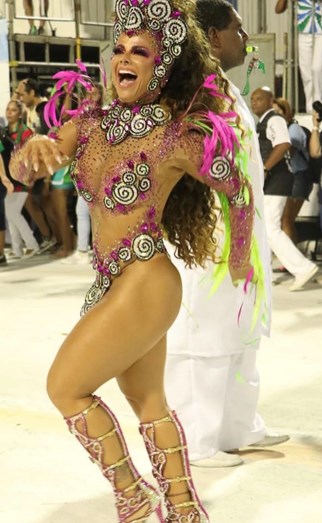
(125, 254)
(220, 169)
(143, 247)
(239, 200)
(160, 10)
(135, 19)
(145, 185)
(86, 195)
(121, 122)
(109, 204)
(125, 194)
(142, 169)
(129, 178)
(114, 268)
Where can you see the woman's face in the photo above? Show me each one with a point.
(132, 65)
(13, 113)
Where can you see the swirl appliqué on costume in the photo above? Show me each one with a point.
(142, 247)
(125, 190)
(120, 122)
(220, 169)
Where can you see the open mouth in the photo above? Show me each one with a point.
(127, 78)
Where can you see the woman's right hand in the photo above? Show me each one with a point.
(38, 158)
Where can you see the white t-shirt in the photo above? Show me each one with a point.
(277, 131)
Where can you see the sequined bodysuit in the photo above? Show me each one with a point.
(127, 184)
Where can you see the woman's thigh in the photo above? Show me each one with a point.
(129, 321)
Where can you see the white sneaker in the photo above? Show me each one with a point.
(46, 245)
(77, 258)
(11, 256)
(300, 281)
(29, 253)
(270, 440)
(220, 459)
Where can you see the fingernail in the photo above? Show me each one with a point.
(36, 167)
(59, 159)
(50, 169)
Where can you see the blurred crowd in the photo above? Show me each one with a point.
(48, 217)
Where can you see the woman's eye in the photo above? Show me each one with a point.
(141, 52)
(117, 50)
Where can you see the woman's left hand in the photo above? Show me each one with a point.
(245, 274)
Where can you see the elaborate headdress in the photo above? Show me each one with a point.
(164, 22)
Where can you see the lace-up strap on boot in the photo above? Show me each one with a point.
(134, 496)
(189, 509)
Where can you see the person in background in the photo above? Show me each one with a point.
(274, 144)
(29, 11)
(299, 162)
(21, 234)
(211, 374)
(309, 26)
(315, 148)
(6, 186)
(38, 203)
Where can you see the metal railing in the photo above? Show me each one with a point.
(83, 13)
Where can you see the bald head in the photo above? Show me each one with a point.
(261, 101)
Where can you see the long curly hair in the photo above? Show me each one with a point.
(190, 215)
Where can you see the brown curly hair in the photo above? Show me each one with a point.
(190, 215)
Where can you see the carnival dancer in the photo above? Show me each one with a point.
(147, 163)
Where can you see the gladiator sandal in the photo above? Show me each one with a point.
(171, 469)
(136, 499)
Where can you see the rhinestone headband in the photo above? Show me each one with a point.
(163, 21)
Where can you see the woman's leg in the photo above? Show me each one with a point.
(29, 10)
(143, 386)
(59, 201)
(291, 210)
(121, 329)
(18, 225)
(37, 216)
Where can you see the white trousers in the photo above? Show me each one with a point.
(20, 231)
(310, 63)
(216, 399)
(281, 245)
(83, 224)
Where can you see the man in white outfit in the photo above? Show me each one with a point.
(309, 27)
(211, 376)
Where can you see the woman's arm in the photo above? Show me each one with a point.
(315, 143)
(41, 156)
(228, 181)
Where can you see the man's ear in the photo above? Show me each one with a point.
(214, 37)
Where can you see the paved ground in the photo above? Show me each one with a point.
(44, 476)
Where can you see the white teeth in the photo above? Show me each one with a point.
(126, 72)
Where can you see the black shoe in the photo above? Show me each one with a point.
(3, 261)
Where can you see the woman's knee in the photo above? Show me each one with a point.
(61, 391)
